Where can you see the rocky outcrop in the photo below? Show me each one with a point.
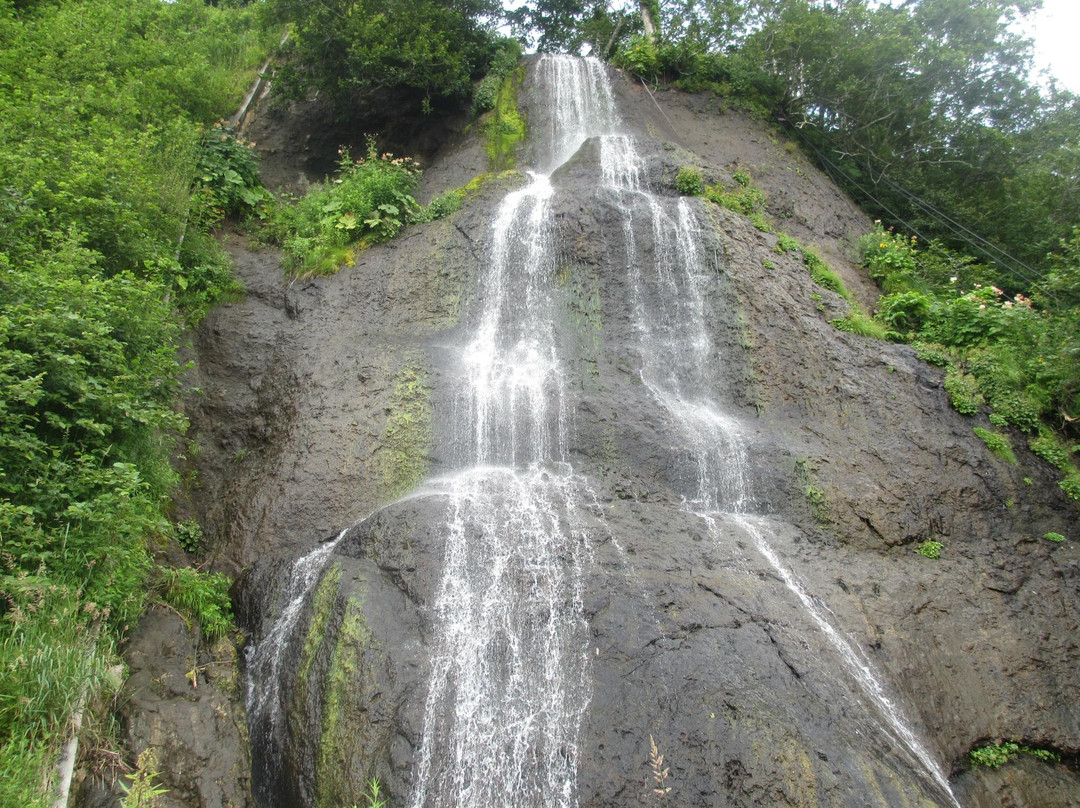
(693, 637)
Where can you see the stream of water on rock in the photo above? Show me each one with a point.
(509, 668)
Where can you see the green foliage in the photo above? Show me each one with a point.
(996, 755)
(963, 391)
(105, 254)
(369, 201)
(1050, 448)
(857, 322)
(372, 795)
(904, 312)
(1071, 484)
(229, 171)
(141, 790)
(503, 63)
(744, 198)
(997, 443)
(1054, 537)
(189, 535)
(49, 657)
(357, 50)
(786, 243)
(688, 181)
(885, 253)
(930, 549)
(504, 127)
(199, 596)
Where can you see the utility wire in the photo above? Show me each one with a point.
(978, 244)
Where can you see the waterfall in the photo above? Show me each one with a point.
(508, 685)
(678, 363)
(509, 676)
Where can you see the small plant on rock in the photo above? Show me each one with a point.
(929, 549)
(998, 444)
(1054, 537)
(659, 772)
(688, 181)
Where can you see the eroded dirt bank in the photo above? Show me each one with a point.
(695, 641)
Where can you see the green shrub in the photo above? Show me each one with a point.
(937, 355)
(199, 596)
(486, 92)
(1054, 537)
(189, 535)
(905, 311)
(744, 199)
(368, 202)
(786, 243)
(688, 181)
(229, 170)
(963, 391)
(639, 57)
(997, 443)
(1071, 484)
(930, 549)
(1047, 446)
(885, 253)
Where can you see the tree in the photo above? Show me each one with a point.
(353, 49)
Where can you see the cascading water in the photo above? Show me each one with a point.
(509, 680)
(508, 685)
(677, 358)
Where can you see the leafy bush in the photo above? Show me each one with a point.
(639, 57)
(369, 201)
(1054, 537)
(105, 253)
(745, 199)
(688, 181)
(486, 91)
(963, 391)
(199, 596)
(229, 170)
(905, 311)
(189, 535)
(885, 253)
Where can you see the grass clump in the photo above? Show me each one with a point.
(199, 596)
(997, 443)
(744, 198)
(1054, 537)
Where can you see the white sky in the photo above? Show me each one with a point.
(1057, 49)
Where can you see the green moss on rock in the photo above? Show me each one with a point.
(339, 774)
(407, 436)
(504, 126)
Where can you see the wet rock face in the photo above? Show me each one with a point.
(692, 635)
(183, 700)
